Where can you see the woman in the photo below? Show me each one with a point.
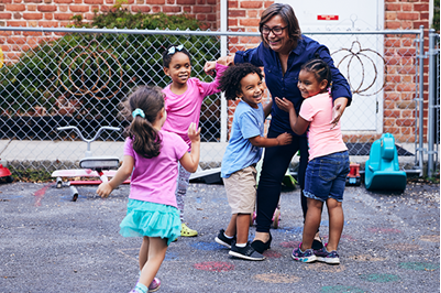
(282, 52)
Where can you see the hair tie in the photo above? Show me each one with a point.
(173, 49)
(138, 112)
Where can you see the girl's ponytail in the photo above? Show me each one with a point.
(144, 103)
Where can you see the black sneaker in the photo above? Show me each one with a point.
(222, 240)
(246, 252)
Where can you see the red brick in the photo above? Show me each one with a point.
(47, 8)
(48, 23)
(48, 16)
(408, 15)
(393, 7)
(16, 7)
(186, 2)
(201, 17)
(233, 4)
(201, 2)
(2, 7)
(390, 15)
(251, 4)
(389, 122)
(33, 16)
(392, 25)
(16, 23)
(403, 87)
(80, 8)
(232, 22)
(201, 9)
(33, 1)
(171, 2)
(393, 78)
(405, 122)
(392, 113)
(171, 9)
(187, 9)
(5, 15)
(142, 9)
(268, 3)
(63, 1)
(93, 2)
(408, 69)
(424, 15)
(62, 8)
(156, 9)
(31, 7)
(236, 13)
(211, 17)
(212, 2)
(17, 15)
(63, 16)
(407, 7)
(249, 22)
(421, 7)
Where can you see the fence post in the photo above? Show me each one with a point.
(432, 88)
(421, 101)
(224, 52)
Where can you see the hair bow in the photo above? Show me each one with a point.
(173, 49)
(138, 112)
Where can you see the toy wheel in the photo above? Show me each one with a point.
(59, 182)
(75, 197)
(9, 179)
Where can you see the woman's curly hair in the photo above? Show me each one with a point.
(231, 78)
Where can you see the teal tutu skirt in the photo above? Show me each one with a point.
(151, 219)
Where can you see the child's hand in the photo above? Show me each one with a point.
(284, 138)
(209, 67)
(284, 104)
(104, 189)
(194, 135)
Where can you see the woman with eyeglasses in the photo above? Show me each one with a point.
(281, 53)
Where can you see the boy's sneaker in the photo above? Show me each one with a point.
(222, 240)
(328, 257)
(154, 285)
(303, 256)
(246, 252)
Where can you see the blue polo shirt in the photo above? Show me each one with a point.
(240, 153)
(285, 86)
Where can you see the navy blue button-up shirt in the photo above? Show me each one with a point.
(285, 86)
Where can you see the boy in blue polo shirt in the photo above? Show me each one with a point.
(244, 150)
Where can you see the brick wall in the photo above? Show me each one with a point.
(57, 13)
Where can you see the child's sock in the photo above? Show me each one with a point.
(229, 237)
(241, 245)
(141, 288)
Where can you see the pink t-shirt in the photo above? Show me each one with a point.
(186, 108)
(321, 139)
(154, 180)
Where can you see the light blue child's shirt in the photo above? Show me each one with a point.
(240, 153)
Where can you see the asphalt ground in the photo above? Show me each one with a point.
(48, 243)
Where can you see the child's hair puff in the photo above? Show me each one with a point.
(320, 69)
(167, 57)
(230, 81)
(145, 138)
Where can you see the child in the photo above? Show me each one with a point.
(183, 100)
(328, 163)
(244, 150)
(151, 156)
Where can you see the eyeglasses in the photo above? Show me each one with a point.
(276, 30)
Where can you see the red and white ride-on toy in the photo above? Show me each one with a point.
(101, 167)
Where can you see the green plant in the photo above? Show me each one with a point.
(435, 23)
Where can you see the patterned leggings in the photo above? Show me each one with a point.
(181, 189)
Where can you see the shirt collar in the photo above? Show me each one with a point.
(300, 46)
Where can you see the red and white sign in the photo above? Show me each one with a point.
(327, 17)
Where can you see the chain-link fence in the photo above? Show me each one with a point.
(60, 77)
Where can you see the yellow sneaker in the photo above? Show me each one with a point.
(187, 232)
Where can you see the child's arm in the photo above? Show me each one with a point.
(211, 88)
(298, 124)
(267, 108)
(282, 139)
(121, 175)
(190, 161)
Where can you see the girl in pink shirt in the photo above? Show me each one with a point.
(328, 163)
(183, 101)
(151, 157)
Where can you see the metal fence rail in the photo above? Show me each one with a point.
(55, 77)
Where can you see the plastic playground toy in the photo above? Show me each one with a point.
(4, 172)
(353, 178)
(382, 171)
(101, 167)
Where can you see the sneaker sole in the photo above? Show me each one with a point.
(333, 261)
(154, 290)
(238, 255)
(222, 243)
(305, 259)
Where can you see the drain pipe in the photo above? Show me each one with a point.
(224, 52)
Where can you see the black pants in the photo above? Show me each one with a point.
(275, 163)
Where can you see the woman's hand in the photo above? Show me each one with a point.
(284, 104)
(104, 189)
(337, 110)
(193, 134)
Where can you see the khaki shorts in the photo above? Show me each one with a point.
(241, 190)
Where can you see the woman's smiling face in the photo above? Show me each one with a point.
(278, 43)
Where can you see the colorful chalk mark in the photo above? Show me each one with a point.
(346, 237)
(39, 194)
(272, 254)
(214, 266)
(295, 230)
(276, 278)
(403, 247)
(365, 257)
(207, 246)
(419, 266)
(169, 256)
(380, 278)
(430, 238)
(341, 289)
(321, 267)
(384, 230)
(290, 244)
